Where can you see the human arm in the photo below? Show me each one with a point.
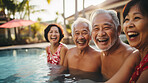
(63, 54)
(125, 72)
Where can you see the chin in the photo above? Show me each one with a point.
(81, 47)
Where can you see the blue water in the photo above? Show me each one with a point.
(23, 66)
(30, 66)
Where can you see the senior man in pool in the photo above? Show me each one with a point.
(105, 33)
(82, 57)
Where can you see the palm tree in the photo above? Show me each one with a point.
(10, 6)
(65, 31)
(25, 10)
(76, 11)
(84, 8)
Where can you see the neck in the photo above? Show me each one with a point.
(83, 51)
(113, 48)
(143, 51)
(54, 46)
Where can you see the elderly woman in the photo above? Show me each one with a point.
(136, 29)
(56, 51)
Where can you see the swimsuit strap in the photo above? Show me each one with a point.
(59, 49)
(54, 58)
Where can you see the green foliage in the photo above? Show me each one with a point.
(36, 27)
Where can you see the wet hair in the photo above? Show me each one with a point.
(110, 12)
(81, 20)
(48, 29)
(142, 5)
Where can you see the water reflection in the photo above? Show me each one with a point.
(30, 66)
(75, 75)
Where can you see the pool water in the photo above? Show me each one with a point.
(30, 66)
(23, 66)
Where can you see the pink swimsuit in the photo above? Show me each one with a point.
(139, 69)
(54, 58)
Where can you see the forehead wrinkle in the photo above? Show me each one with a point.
(84, 29)
(110, 24)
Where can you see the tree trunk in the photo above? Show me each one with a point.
(84, 9)
(65, 31)
(76, 11)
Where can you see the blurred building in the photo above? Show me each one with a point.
(116, 5)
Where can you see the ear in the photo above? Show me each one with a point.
(119, 30)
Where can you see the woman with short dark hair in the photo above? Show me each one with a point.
(56, 50)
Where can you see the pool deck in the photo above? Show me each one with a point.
(37, 45)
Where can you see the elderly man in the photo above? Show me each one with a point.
(105, 33)
(82, 57)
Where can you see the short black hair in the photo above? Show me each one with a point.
(48, 29)
(142, 5)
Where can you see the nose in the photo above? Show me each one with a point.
(80, 36)
(130, 24)
(53, 33)
(101, 33)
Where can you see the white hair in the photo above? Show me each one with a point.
(110, 12)
(81, 20)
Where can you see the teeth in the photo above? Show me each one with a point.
(80, 42)
(132, 33)
(53, 37)
(102, 40)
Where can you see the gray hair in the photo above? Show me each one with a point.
(110, 12)
(81, 20)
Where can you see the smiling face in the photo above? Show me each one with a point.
(53, 35)
(81, 35)
(104, 32)
(136, 28)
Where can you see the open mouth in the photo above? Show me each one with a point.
(102, 40)
(54, 38)
(132, 34)
(81, 41)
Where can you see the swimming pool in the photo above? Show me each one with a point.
(23, 66)
(29, 65)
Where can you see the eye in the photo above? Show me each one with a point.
(56, 32)
(50, 31)
(85, 33)
(125, 20)
(137, 18)
(76, 33)
(95, 29)
(106, 28)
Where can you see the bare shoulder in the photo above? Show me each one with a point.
(128, 47)
(94, 52)
(143, 77)
(134, 58)
(71, 50)
(64, 48)
(127, 50)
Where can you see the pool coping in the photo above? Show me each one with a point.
(36, 45)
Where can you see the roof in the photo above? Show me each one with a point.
(108, 4)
